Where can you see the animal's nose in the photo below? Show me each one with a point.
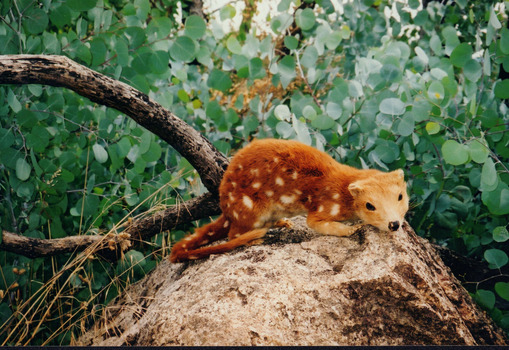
(393, 225)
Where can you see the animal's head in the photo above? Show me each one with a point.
(381, 200)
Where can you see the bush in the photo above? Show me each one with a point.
(379, 84)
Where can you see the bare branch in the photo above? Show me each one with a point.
(140, 230)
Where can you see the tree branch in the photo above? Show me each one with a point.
(140, 230)
(210, 164)
(63, 72)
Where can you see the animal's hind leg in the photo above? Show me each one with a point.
(247, 238)
(201, 236)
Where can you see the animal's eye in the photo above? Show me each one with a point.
(370, 206)
(400, 197)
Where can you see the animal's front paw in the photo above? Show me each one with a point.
(352, 229)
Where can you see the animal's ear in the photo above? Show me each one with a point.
(400, 174)
(355, 188)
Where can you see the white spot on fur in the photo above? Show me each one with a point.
(255, 172)
(276, 160)
(269, 193)
(237, 235)
(188, 238)
(235, 214)
(287, 199)
(334, 210)
(226, 224)
(257, 185)
(205, 241)
(297, 192)
(241, 167)
(231, 197)
(234, 184)
(248, 202)
(279, 181)
(320, 208)
(211, 233)
(295, 175)
(192, 257)
(335, 196)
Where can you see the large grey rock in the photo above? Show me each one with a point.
(369, 289)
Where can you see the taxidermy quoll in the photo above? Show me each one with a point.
(270, 179)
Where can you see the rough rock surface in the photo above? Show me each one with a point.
(300, 288)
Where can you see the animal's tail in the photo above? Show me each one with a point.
(209, 233)
(247, 238)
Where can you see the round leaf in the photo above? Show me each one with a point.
(502, 89)
(485, 298)
(100, 153)
(183, 49)
(432, 128)
(392, 106)
(436, 92)
(195, 27)
(500, 234)
(454, 153)
(23, 169)
(496, 258)
(478, 151)
(36, 21)
(461, 55)
(502, 289)
(219, 80)
(305, 18)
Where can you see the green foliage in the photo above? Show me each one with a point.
(413, 90)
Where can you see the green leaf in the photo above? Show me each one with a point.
(100, 153)
(461, 55)
(233, 45)
(60, 16)
(291, 42)
(309, 57)
(406, 126)
(392, 106)
(323, 122)
(36, 21)
(183, 49)
(436, 92)
(504, 41)
(227, 12)
(500, 234)
(81, 5)
(497, 200)
(479, 151)
(305, 18)
(13, 102)
(195, 27)
(282, 112)
(502, 89)
(256, 69)
(489, 178)
(496, 258)
(219, 80)
(502, 289)
(472, 70)
(23, 169)
(485, 298)
(455, 153)
(432, 128)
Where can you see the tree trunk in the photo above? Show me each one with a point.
(302, 289)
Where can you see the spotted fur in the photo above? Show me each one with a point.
(269, 180)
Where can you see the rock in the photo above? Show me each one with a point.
(372, 288)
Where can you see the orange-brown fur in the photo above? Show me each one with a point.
(272, 179)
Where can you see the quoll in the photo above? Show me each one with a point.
(271, 179)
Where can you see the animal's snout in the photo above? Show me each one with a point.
(393, 225)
